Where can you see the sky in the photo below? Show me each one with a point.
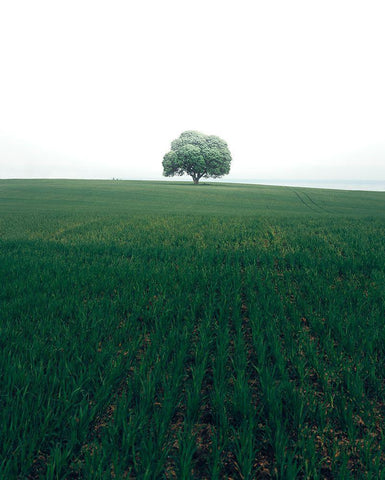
(99, 89)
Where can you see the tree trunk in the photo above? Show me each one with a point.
(196, 180)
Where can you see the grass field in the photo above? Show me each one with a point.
(157, 330)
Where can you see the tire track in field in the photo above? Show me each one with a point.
(303, 201)
(316, 204)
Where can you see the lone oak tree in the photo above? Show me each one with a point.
(197, 155)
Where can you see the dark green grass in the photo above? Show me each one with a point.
(120, 197)
(165, 330)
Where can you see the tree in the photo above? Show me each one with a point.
(197, 155)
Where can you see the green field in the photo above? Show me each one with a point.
(155, 330)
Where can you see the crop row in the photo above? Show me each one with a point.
(197, 347)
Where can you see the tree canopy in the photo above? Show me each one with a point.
(197, 155)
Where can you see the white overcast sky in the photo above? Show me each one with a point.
(99, 89)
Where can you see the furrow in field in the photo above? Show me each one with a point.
(190, 426)
(253, 457)
(330, 381)
(199, 428)
(284, 409)
(233, 397)
(221, 463)
(142, 418)
(154, 417)
(243, 340)
(93, 442)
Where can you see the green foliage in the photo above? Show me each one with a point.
(242, 340)
(197, 155)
